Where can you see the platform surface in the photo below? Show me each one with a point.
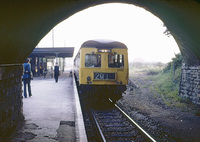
(53, 113)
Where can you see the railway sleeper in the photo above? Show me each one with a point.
(110, 121)
(118, 125)
(109, 117)
(108, 113)
(117, 129)
(124, 135)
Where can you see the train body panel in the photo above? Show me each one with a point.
(101, 75)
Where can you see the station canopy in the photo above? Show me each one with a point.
(53, 52)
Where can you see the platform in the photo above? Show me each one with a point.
(53, 112)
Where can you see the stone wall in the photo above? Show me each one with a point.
(190, 83)
(11, 105)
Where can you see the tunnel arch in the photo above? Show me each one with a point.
(137, 28)
(25, 23)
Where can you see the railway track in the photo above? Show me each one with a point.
(111, 124)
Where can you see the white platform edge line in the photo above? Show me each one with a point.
(79, 123)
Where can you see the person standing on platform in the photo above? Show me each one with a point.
(41, 70)
(56, 72)
(27, 77)
(45, 72)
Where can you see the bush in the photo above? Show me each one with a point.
(153, 72)
(174, 64)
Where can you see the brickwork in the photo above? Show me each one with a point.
(10, 98)
(190, 83)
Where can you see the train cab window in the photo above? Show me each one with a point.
(92, 60)
(116, 61)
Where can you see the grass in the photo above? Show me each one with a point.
(167, 85)
(163, 84)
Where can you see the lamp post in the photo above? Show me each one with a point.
(53, 38)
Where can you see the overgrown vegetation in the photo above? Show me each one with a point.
(165, 78)
(166, 83)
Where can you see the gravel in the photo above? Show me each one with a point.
(165, 123)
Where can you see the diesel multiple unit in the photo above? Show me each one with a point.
(101, 67)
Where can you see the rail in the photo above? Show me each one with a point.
(114, 124)
(144, 133)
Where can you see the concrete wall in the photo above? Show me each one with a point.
(10, 98)
(190, 83)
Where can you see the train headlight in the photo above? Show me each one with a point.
(104, 50)
(88, 78)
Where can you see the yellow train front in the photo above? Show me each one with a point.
(101, 68)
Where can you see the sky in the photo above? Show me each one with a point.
(141, 31)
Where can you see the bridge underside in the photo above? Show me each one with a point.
(25, 23)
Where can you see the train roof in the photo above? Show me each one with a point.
(103, 44)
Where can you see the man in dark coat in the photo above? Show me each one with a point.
(56, 72)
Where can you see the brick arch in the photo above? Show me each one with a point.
(25, 23)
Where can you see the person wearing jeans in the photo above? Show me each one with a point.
(27, 77)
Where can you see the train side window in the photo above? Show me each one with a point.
(92, 60)
(116, 61)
